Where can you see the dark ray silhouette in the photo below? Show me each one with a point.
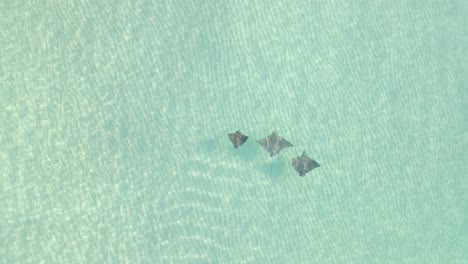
(237, 138)
(274, 143)
(303, 164)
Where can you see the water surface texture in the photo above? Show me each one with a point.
(114, 120)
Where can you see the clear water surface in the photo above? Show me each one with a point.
(114, 117)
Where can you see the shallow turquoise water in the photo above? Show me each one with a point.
(114, 117)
